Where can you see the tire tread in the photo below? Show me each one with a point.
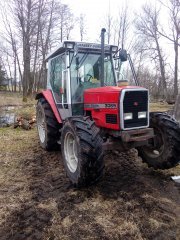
(171, 130)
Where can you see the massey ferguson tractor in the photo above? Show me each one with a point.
(93, 104)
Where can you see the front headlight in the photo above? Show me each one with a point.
(114, 49)
(128, 116)
(69, 45)
(142, 114)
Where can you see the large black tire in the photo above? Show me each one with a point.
(47, 125)
(81, 147)
(164, 150)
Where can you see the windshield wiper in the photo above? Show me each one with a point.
(82, 60)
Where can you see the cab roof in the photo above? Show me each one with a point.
(79, 46)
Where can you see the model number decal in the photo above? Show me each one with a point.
(104, 105)
(110, 105)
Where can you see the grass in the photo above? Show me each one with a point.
(174, 171)
(14, 99)
(15, 145)
(160, 107)
(131, 202)
(15, 140)
(26, 112)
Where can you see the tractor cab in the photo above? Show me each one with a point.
(77, 66)
(74, 67)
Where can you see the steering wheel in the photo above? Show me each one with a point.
(90, 76)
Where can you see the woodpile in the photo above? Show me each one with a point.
(24, 123)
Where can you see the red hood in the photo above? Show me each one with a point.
(111, 89)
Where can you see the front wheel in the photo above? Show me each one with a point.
(81, 146)
(163, 151)
(47, 126)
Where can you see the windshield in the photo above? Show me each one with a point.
(85, 73)
(124, 72)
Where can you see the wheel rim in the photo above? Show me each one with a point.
(41, 125)
(70, 151)
(156, 147)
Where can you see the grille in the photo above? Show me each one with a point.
(111, 118)
(134, 102)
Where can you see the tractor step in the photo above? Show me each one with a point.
(131, 138)
(137, 135)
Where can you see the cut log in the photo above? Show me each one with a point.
(24, 123)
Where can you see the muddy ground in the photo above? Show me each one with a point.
(37, 201)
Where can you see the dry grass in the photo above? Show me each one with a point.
(160, 107)
(26, 112)
(131, 202)
(15, 144)
(14, 99)
(174, 171)
(21, 109)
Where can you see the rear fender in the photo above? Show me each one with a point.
(47, 94)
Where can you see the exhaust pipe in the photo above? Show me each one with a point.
(103, 30)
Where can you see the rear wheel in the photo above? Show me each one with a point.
(47, 125)
(81, 146)
(163, 150)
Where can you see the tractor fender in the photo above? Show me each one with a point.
(47, 94)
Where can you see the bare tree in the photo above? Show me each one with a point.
(123, 27)
(46, 28)
(66, 21)
(40, 12)
(35, 27)
(48, 32)
(109, 24)
(26, 17)
(147, 25)
(173, 35)
(10, 38)
(82, 27)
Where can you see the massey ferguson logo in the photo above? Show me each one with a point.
(136, 104)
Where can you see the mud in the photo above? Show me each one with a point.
(130, 202)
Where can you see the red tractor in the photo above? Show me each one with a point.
(91, 106)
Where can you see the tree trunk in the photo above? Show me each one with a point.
(162, 71)
(26, 75)
(15, 75)
(176, 68)
(20, 73)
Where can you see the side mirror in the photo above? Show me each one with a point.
(123, 55)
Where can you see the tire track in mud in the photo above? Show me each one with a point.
(30, 220)
(27, 222)
(131, 191)
(150, 195)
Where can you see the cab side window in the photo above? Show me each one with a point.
(57, 68)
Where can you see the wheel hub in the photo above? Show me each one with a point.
(41, 125)
(70, 150)
(156, 147)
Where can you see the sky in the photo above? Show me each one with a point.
(96, 10)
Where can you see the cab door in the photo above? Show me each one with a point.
(59, 84)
